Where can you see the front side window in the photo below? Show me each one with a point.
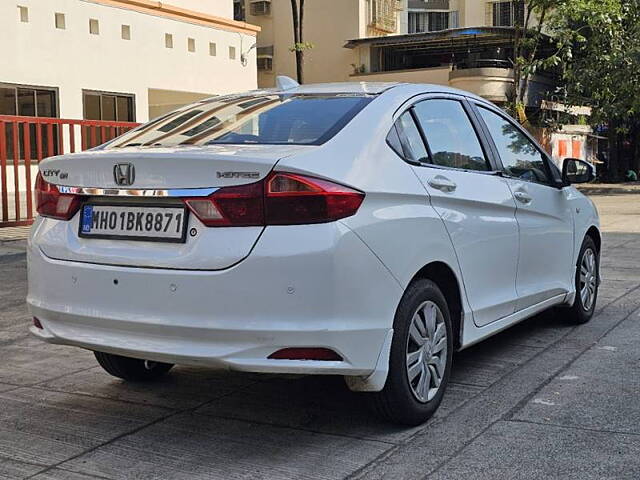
(256, 119)
(520, 157)
(450, 135)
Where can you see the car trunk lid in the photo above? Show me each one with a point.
(162, 176)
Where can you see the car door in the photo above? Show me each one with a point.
(474, 203)
(543, 212)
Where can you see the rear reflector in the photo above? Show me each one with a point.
(51, 203)
(280, 199)
(36, 323)
(306, 354)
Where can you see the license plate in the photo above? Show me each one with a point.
(149, 223)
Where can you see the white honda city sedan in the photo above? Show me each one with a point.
(366, 230)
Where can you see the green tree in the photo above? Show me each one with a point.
(531, 18)
(599, 42)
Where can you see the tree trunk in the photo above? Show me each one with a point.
(297, 37)
(517, 53)
(613, 167)
(532, 54)
(634, 163)
(300, 53)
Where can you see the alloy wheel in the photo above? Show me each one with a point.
(588, 279)
(426, 351)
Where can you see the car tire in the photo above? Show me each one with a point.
(404, 399)
(587, 277)
(131, 369)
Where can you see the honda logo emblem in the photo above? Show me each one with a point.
(124, 174)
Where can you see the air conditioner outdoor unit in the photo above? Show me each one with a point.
(265, 63)
(262, 7)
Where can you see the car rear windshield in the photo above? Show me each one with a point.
(259, 119)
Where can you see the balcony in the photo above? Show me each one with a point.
(477, 59)
(493, 80)
(470, 63)
(382, 16)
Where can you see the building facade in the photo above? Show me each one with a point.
(435, 15)
(465, 44)
(327, 24)
(127, 60)
(445, 41)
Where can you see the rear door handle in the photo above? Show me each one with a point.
(442, 183)
(522, 197)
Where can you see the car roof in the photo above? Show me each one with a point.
(354, 88)
(368, 88)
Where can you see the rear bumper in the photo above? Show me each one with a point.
(306, 286)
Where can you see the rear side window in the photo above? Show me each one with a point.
(393, 140)
(414, 148)
(520, 156)
(255, 119)
(450, 135)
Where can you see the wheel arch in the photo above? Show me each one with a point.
(595, 235)
(444, 276)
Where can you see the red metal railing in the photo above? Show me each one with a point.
(25, 141)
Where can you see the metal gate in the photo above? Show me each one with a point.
(25, 141)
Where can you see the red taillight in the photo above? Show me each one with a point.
(324, 354)
(231, 206)
(36, 323)
(51, 203)
(295, 199)
(280, 199)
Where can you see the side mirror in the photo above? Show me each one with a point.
(577, 171)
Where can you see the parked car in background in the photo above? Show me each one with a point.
(362, 230)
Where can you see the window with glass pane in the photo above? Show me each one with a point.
(418, 22)
(454, 19)
(46, 103)
(108, 106)
(60, 21)
(438, 21)
(92, 107)
(505, 13)
(502, 14)
(415, 149)
(124, 110)
(26, 102)
(520, 156)
(32, 102)
(450, 135)
(7, 101)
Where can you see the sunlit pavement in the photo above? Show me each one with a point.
(542, 400)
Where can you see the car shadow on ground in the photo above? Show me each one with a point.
(314, 403)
